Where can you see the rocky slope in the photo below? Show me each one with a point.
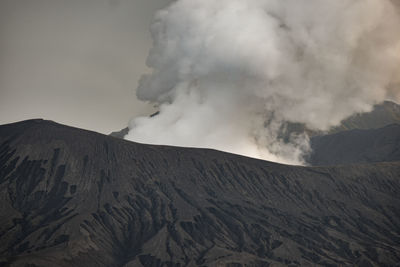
(357, 146)
(382, 115)
(70, 197)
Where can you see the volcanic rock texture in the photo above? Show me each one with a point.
(70, 197)
(357, 146)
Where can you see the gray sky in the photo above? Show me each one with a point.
(72, 61)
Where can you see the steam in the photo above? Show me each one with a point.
(229, 74)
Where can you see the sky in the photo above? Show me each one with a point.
(75, 62)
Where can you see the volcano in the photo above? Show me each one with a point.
(71, 197)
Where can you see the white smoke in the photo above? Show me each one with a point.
(227, 74)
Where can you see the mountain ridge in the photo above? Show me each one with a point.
(72, 197)
(356, 146)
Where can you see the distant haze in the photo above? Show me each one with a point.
(228, 74)
(76, 62)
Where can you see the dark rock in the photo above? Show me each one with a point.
(70, 197)
(120, 134)
(382, 115)
(357, 146)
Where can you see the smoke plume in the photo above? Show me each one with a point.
(228, 74)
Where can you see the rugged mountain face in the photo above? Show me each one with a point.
(357, 146)
(120, 134)
(70, 197)
(382, 115)
(363, 138)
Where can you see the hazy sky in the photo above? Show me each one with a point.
(76, 62)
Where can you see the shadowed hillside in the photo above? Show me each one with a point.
(382, 115)
(357, 146)
(71, 197)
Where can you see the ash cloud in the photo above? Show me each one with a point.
(229, 74)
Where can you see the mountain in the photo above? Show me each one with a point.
(125, 131)
(356, 146)
(70, 197)
(120, 134)
(362, 138)
(382, 115)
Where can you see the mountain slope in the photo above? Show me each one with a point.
(120, 134)
(382, 115)
(71, 197)
(357, 146)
